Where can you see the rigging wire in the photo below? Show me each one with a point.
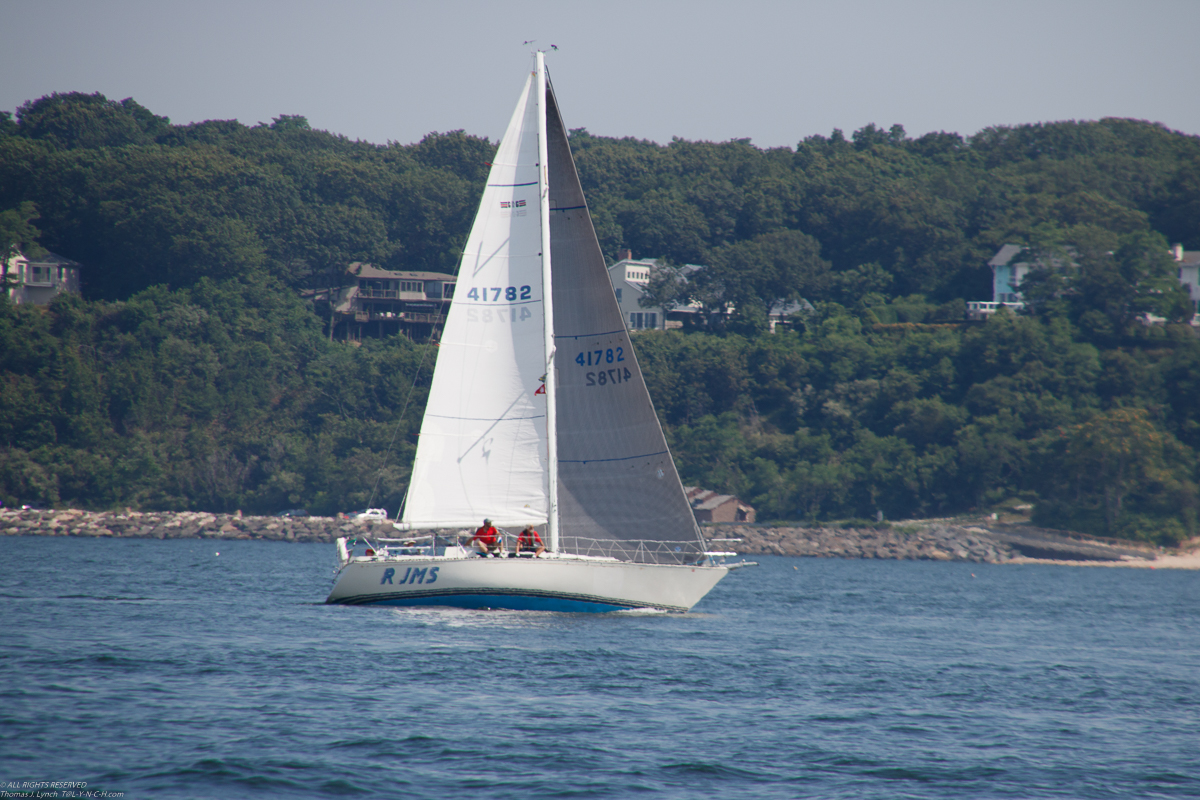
(433, 342)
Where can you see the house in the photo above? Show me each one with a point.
(630, 278)
(1189, 274)
(38, 281)
(708, 506)
(381, 302)
(782, 313)
(1009, 271)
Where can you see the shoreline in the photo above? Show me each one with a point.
(982, 541)
(926, 540)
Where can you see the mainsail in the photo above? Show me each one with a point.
(615, 474)
(484, 449)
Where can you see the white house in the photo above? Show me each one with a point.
(37, 282)
(630, 277)
(1189, 273)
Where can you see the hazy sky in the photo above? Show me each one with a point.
(772, 71)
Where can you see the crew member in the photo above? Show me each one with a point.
(529, 540)
(486, 540)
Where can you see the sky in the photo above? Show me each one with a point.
(774, 72)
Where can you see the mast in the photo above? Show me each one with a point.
(548, 308)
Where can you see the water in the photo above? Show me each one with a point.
(162, 670)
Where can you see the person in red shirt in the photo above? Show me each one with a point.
(529, 540)
(487, 540)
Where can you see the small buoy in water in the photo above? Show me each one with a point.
(972, 574)
(795, 568)
(218, 554)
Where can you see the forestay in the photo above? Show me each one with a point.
(482, 449)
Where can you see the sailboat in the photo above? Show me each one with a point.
(537, 414)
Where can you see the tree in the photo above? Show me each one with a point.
(766, 271)
(668, 287)
(78, 120)
(17, 235)
(1119, 474)
(667, 227)
(1105, 283)
(290, 122)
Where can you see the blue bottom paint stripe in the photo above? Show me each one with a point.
(491, 598)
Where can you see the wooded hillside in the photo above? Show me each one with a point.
(191, 375)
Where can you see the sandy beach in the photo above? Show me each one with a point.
(1188, 560)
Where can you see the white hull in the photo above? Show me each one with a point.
(561, 583)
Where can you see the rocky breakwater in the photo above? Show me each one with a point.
(925, 542)
(933, 540)
(930, 540)
(180, 525)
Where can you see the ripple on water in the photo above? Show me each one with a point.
(819, 678)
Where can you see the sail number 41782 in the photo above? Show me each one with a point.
(594, 358)
(602, 358)
(508, 293)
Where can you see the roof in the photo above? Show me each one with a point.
(640, 262)
(684, 270)
(786, 308)
(1008, 252)
(49, 258)
(713, 502)
(1004, 255)
(369, 271)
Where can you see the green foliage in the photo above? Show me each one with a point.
(1107, 284)
(191, 377)
(77, 120)
(844, 419)
(1118, 474)
(141, 202)
(219, 397)
(18, 234)
(765, 271)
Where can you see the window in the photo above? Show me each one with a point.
(447, 291)
(412, 286)
(652, 320)
(635, 320)
(618, 295)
